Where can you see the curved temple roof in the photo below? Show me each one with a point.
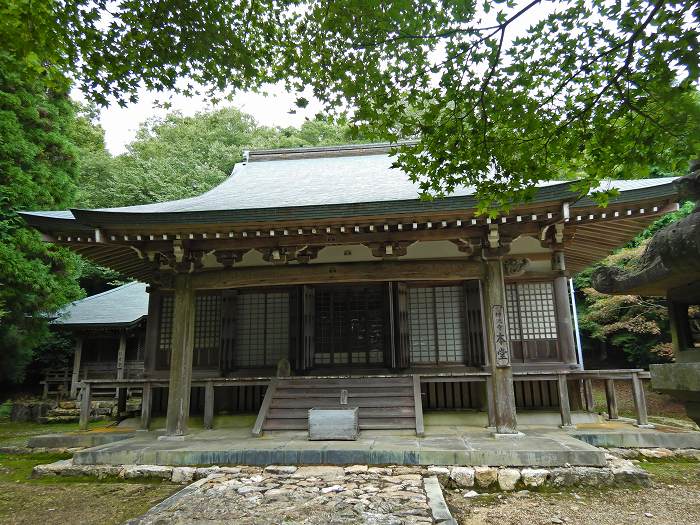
(294, 197)
(122, 306)
(311, 183)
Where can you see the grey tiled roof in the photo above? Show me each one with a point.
(340, 183)
(121, 306)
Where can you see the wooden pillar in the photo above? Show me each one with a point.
(678, 324)
(490, 405)
(121, 359)
(640, 402)
(77, 356)
(181, 357)
(498, 347)
(208, 405)
(611, 398)
(146, 404)
(418, 406)
(564, 406)
(85, 405)
(565, 326)
(588, 395)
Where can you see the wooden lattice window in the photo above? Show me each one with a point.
(207, 331)
(532, 321)
(436, 324)
(262, 329)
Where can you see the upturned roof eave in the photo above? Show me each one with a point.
(87, 219)
(102, 218)
(101, 325)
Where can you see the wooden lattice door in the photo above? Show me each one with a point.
(350, 325)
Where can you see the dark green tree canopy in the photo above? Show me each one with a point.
(500, 95)
(179, 156)
(37, 171)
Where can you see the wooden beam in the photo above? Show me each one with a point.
(121, 360)
(640, 402)
(208, 405)
(564, 406)
(85, 405)
(565, 327)
(490, 403)
(498, 347)
(611, 398)
(181, 354)
(588, 395)
(342, 273)
(76, 367)
(418, 404)
(146, 403)
(264, 407)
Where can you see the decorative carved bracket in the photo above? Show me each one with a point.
(552, 235)
(227, 258)
(515, 266)
(307, 253)
(467, 246)
(496, 243)
(277, 255)
(180, 259)
(389, 250)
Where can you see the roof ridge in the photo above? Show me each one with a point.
(339, 150)
(106, 292)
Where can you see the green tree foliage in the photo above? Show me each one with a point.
(182, 156)
(501, 94)
(636, 326)
(37, 171)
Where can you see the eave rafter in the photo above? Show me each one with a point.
(586, 234)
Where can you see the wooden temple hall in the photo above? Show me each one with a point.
(316, 277)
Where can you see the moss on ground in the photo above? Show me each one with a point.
(13, 434)
(672, 470)
(74, 500)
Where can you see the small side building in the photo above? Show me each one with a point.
(109, 330)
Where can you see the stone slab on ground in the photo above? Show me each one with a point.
(261, 497)
(616, 471)
(640, 439)
(77, 439)
(454, 447)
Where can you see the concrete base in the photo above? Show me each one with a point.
(638, 438)
(509, 435)
(440, 446)
(166, 437)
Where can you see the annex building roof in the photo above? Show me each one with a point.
(119, 307)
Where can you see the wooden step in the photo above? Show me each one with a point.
(352, 392)
(383, 402)
(326, 402)
(387, 423)
(369, 412)
(299, 382)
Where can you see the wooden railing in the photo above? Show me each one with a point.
(147, 386)
(562, 377)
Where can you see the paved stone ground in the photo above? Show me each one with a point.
(312, 495)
